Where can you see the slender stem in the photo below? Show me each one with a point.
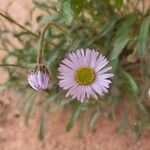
(12, 65)
(42, 41)
(16, 23)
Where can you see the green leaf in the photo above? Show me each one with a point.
(62, 103)
(143, 36)
(52, 97)
(108, 26)
(42, 127)
(118, 3)
(142, 107)
(65, 102)
(28, 113)
(138, 129)
(80, 133)
(119, 45)
(94, 118)
(123, 35)
(46, 19)
(126, 24)
(114, 64)
(73, 118)
(114, 101)
(125, 124)
(71, 9)
(130, 83)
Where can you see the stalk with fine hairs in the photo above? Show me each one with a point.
(38, 77)
(42, 42)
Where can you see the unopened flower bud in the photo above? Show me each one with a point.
(38, 77)
(149, 93)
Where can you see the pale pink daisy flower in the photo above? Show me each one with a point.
(84, 74)
(38, 77)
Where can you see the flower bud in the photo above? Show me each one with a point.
(149, 93)
(38, 77)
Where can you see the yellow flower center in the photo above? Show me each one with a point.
(85, 75)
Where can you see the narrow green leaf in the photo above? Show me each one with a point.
(52, 97)
(80, 133)
(126, 24)
(130, 83)
(73, 118)
(138, 129)
(142, 107)
(94, 118)
(114, 101)
(143, 36)
(125, 124)
(65, 102)
(123, 35)
(46, 19)
(114, 64)
(61, 103)
(28, 113)
(71, 9)
(118, 3)
(42, 127)
(108, 26)
(119, 45)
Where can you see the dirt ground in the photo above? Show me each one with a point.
(14, 135)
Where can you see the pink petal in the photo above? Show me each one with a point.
(101, 65)
(105, 75)
(71, 90)
(68, 63)
(40, 78)
(94, 56)
(88, 57)
(96, 88)
(99, 60)
(104, 70)
(80, 58)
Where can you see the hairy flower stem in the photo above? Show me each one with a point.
(42, 42)
(16, 23)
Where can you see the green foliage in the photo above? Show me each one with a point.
(119, 45)
(123, 35)
(71, 9)
(41, 134)
(118, 3)
(94, 117)
(143, 36)
(129, 83)
(73, 117)
(105, 25)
